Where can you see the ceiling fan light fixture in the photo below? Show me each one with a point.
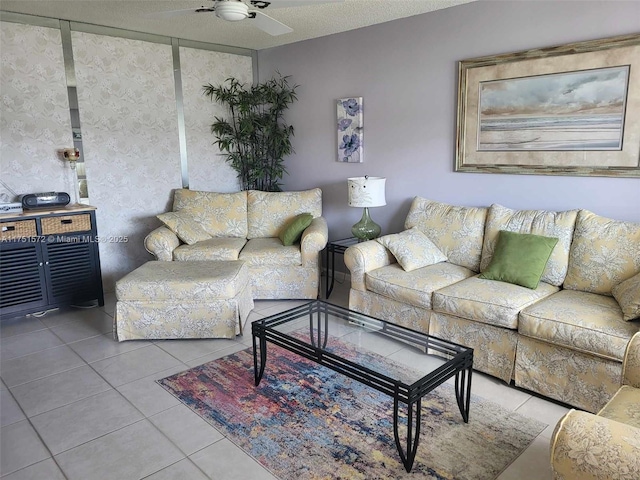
(232, 11)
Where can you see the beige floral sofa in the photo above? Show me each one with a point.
(565, 339)
(604, 446)
(245, 226)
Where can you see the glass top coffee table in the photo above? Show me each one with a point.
(319, 332)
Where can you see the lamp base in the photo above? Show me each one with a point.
(366, 229)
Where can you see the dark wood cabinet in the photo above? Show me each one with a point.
(49, 259)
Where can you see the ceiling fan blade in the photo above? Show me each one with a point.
(294, 3)
(270, 25)
(178, 13)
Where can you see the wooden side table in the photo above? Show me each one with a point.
(333, 247)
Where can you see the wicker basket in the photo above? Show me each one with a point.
(66, 224)
(18, 229)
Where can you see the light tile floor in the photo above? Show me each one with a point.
(75, 404)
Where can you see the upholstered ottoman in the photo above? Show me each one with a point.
(169, 300)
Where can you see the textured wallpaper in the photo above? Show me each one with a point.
(129, 124)
(207, 169)
(35, 120)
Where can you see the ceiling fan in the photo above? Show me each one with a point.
(237, 10)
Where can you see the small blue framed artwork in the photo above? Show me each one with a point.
(350, 147)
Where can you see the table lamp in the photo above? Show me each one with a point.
(366, 192)
(72, 155)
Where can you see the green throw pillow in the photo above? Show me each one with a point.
(519, 258)
(293, 230)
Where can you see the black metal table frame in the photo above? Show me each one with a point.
(333, 247)
(460, 365)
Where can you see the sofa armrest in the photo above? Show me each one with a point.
(631, 363)
(161, 243)
(314, 239)
(588, 447)
(365, 257)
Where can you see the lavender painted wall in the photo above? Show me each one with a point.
(406, 70)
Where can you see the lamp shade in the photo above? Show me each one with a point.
(366, 191)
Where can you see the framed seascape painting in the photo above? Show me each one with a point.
(349, 121)
(567, 110)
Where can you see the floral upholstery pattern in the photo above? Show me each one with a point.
(387, 309)
(184, 280)
(270, 252)
(184, 226)
(568, 344)
(558, 225)
(285, 282)
(412, 249)
(494, 347)
(213, 249)
(165, 300)
(631, 370)
(136, 320)
(488, 301)
(456, 231)
(607, 445)
(271, 264)
(365, 257)
(627, 294)
(624, 407)
(313, 241)
(579, 379)
(414, 287)
(591, 447)
(604, 253)
(581, 321)
(161, 243)
(269, 212)
(219, 214)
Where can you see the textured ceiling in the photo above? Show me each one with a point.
(307, 21)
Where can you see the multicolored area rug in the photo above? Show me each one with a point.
(305, 421)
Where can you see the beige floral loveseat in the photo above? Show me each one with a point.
(245, 226)
(565, 339)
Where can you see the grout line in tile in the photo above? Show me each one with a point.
(51, 374)
(523, 403)
(38, 435)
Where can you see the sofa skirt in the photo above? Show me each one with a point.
(581, 380)
(285, 283)
(494, 348)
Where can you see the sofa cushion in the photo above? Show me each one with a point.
(185, 226)
(270, 251)
(456, 231)
(293, 229)
(412, 249)
(219, 214)
(488, 301)
(604, 253)
(519, 258)
(214, 249)
(189, 281)
(269, 212)
(558, 225)
(627, 294)
(414, 287)
(581, 321)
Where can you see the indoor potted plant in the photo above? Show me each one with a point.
(255, 139)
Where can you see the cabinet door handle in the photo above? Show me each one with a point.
(46, 263)
(40, 264)
(66, 221)
(9, 228)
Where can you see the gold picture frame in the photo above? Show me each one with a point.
(566, 110)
